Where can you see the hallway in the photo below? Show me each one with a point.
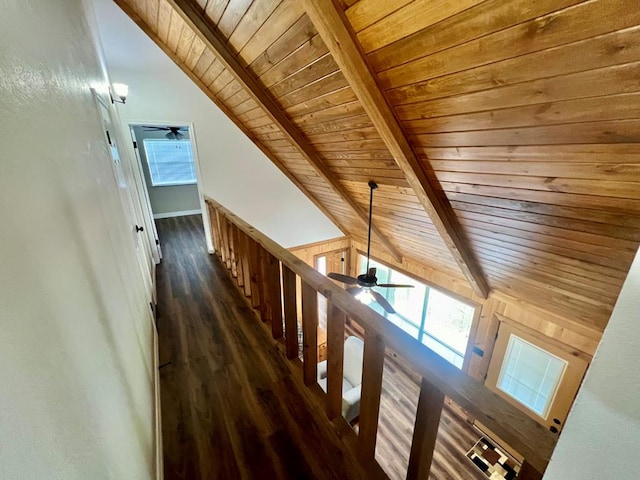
(230, 408)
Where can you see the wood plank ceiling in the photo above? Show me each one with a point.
(524, 118)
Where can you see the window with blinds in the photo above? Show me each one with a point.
(170, 162)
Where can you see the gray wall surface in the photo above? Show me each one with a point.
(166, 200)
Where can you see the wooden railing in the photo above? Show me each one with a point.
(267, 274)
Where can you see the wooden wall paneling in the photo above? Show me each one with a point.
(335, 359)
(211, 38)
(232, 15)
(290, 312)
(331, 25)
(482, 19)
(286, 14)
(309, 334)
(430, 404)
(298, 34)
(413, 17)
(214, 10)
(588, 19)
(613, 80)
(373, 366)
(255, 16)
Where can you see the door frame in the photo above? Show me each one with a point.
(196, 159)
(577, 363)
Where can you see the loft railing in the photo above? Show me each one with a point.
(267, 274)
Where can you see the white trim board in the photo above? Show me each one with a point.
(176, 214)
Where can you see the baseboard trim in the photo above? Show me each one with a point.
(176, 214)
(159, 462)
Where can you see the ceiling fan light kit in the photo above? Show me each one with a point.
(366, 281)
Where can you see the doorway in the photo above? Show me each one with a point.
(169, 167)
(536, 374)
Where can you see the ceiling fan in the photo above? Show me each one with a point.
(368, 280)
(174, 132)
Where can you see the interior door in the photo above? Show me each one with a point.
(126, 183)
(537, 374)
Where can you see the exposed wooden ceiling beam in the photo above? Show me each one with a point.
(334, 29)
(193, 15)
(220, 104)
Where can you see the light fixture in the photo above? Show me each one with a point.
(365, 297)
(121, 90)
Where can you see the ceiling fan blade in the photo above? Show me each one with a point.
(151, 127)
(343, 278)
(394, 285)
(382, 301)
(355, 291)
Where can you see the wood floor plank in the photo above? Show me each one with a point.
(231, 408)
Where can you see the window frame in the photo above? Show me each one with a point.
(361, 256)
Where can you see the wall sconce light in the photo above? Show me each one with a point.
(121, 90)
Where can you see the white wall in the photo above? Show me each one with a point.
(75, 333)
(602, 434)
(234, 171)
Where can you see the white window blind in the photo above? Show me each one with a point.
(170, 162)
(531, 375)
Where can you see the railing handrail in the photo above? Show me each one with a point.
(521, 432)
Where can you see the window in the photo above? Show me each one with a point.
(170, 162)
(440, 322)
(530, 375)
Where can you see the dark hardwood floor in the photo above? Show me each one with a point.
(230, 407)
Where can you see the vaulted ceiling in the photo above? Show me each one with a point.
(504, 134)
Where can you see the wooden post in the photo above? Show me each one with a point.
(335, 358)
(373, 366)
(246, 272)
(254, 269)
(274, 287)
(290, 312)
(238, 253)
(263, 268)
(425, 431)
(232, 250)
(222, 247)
(212, 226)
(309, 333)
(225, 241)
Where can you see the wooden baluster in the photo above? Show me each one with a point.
(274, 285)
(232, 250)
(373, 365)
(244, 260)
(254, 269)
(528, 472)
(212, 227)
(290, 312)
(237, 249)
(309, 334)
(263, 268)
(221, 247)
(425, 431)
(224, 228)
(335, 357)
